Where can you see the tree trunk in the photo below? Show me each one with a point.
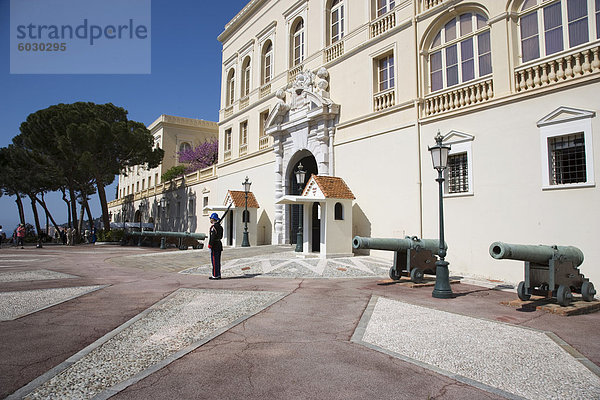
(73, 196)
(20, 208)
(104, 205)
(36, 217)
(89, 214)
(64, 193)
(80, 224)
(48, 215)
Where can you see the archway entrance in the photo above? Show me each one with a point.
(309, 163)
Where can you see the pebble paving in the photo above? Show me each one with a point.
(174, 326)
(516, 360)
(288, 265)
(37, 275)
(17, 304)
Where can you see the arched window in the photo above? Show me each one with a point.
(460, 51)
(230, 87)
(336, 21)
(550, 27)
(267, 62)
(246, 77)
(185, 146)
(339, 211)
(298, 43)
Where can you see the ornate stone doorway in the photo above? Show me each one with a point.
(309, 163)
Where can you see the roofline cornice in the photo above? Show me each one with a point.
(240, 18)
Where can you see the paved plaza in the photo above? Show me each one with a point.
(140, 323)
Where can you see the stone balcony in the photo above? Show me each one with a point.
(457, 97)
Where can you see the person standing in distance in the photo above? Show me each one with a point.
(215, 245)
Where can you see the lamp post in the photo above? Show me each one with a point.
(439, 156)
(141, 210)
(163, 207)
(245, 241)
(300, 175)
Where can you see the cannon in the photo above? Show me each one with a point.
(413, 257)
(184, 239)
(550, 271)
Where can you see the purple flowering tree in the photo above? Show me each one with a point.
(201, 156)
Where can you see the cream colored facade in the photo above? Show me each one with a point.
(498, 107)
(358, 90)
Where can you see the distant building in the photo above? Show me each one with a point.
(357, 90)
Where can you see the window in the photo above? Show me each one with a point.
(550, 27)
(191, 208)
(156, 178)
(227, 141)
(566, 155)
(338, 212)
(230, 88)
(185, 146)
(267, 62)
(385, 70)
(566, 145)
(149, 182)
(143, 184)
(137, 186)
(246, 77)
(459, 173)
(244, 137)
(336, 20)
(204, 205)
(384, 6)
(298, 43)
(460, 52)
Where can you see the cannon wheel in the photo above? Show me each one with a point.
(588, 291)
(394, 274)
(416, 275)
(564, 296)
(521, 291)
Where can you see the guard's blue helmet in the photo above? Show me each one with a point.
(214, 216)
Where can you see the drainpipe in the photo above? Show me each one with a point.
(418, 121)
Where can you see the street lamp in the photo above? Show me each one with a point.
(141, 210)
(300, 175)
(163, 207)
(245, 241)
(439, 156)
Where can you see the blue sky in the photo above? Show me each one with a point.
(185, 81)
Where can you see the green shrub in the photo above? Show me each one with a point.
(114, 235)
(173, 173)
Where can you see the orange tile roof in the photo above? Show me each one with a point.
(239, 199)
(332, 187)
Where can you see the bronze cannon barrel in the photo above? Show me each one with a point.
(199, 236)
(391, 244)
(539, 254)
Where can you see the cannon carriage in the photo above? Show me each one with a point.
(413, 257)
(550, 271)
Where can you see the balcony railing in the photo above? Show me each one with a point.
(265, 90)
(383, 100)
(227, 155)
(244, 102)
(563, 68)
(455, 98)
(383, 24)
(293, 72)
(263, 142)
(243, 149)
(427, 4)
(228, 111)
(334, 51)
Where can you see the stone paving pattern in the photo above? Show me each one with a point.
(298, 347)
(496, 354)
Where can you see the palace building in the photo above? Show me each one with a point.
(355, 91)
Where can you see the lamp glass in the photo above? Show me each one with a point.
(439, 156)
(246, 184)
(300, 174)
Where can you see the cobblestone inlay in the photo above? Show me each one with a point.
(14, 305)
(516, 360)
(166, 331)
(287, 265)
(37, 275)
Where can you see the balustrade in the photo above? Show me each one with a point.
(228, 111)
(559, 69)
(265, 90)
(453, 99)
(384, 100)
(334, 51)
(263, 142)
(293, 72)
(244, 102)
(383, 24)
